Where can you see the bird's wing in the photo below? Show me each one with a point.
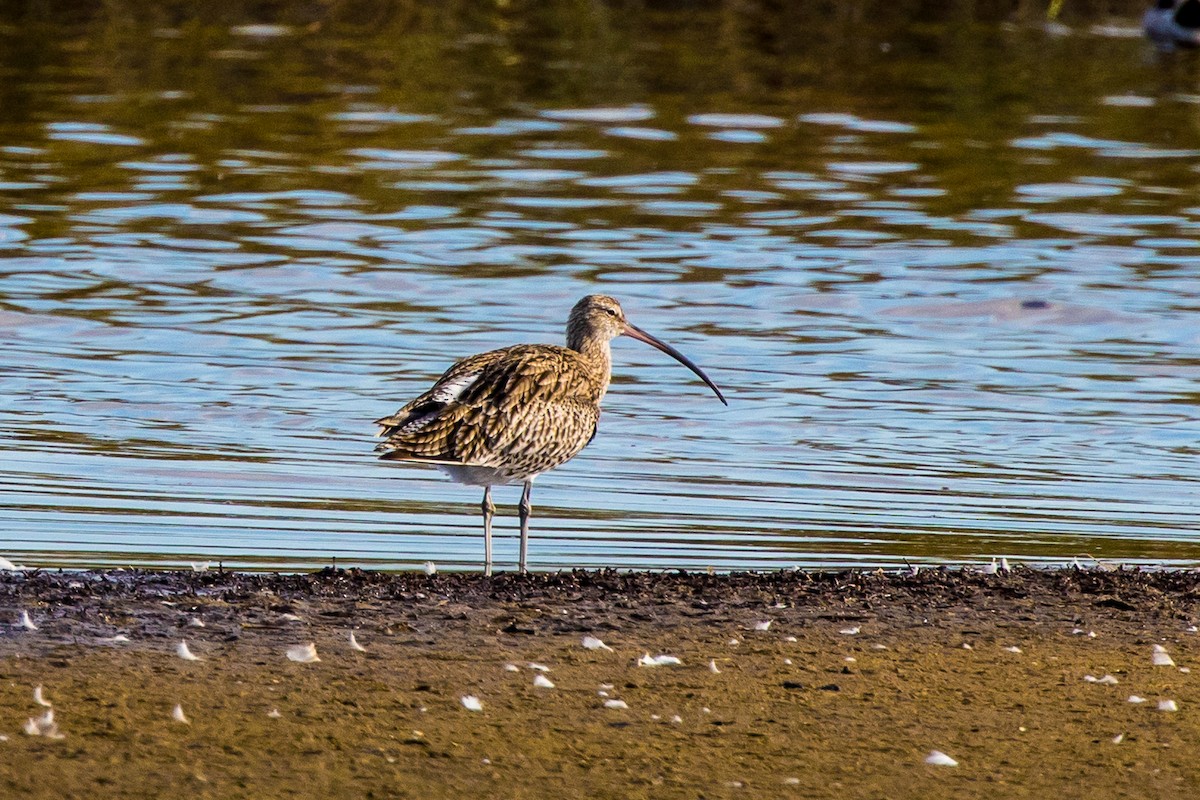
(498, 405)
(445, 391)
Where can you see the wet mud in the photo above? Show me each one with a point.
(1023, 678)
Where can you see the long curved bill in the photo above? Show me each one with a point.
(639, 334)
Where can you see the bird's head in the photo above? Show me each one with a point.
(596, 316)
(600, 317)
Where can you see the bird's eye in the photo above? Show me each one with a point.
(610, 311)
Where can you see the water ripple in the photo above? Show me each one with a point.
(953, 309)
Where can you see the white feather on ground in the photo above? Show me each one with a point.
(303, 653)
(658, 661)
(43, 726)
(1160, 657)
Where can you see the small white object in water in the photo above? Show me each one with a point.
(1160, 657)
(542, 682)
(177, 714)
(1120, 737)
(1133, 698)
(471, 703)
(1192, 629)
(538, 667)
(39, 698)
(658, 661)
(763, 626)
(196, 622)
(118, 639)
(26, 622)
(304, 653)
(734, 642)
(592, 643)
(712, 666)
(1185, 670)
(1168, 705)
(200, 566)
(290, 617)
(1013, 649)
(602, 693)
(788, 661)
(354, 645)
(790, 639)
(967, 646)
(615, 704)
(676, 720)
(430, 568)
(885, 647)
(511, 668)
(183, 652)
(940, 759)
(851, 631)
(791, 781)
(274, 713)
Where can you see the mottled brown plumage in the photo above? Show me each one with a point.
(508, 415)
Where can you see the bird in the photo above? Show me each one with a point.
(1171, 24)
(508, 415)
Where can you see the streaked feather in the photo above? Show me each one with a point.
(521, 410)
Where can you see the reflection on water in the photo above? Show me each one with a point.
(943, 260)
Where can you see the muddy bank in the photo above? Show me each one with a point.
(857, 677)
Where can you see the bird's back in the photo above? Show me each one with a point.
(518, 411)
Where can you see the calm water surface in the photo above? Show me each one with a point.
(944, 261)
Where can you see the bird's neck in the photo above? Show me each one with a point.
(597, 354)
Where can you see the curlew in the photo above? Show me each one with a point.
(508, 415)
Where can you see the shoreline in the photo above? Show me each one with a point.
(855, 680)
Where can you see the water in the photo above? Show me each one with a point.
(944, 262)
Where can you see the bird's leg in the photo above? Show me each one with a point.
(524, 510)
(488, 510)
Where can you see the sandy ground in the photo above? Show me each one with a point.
(856, 680)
